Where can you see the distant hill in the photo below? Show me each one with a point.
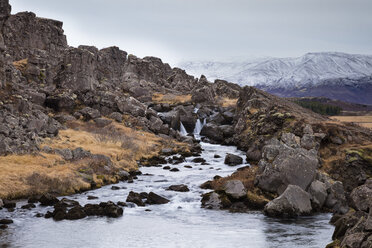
(346, 77)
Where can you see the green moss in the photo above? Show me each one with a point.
(334, 244)
(101, 177)
(356, 154)
(226, 203)
(42, 75)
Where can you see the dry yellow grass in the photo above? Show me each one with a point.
(24, 175)
(170, 98)
(31, 174)
(227, 102)
(21, 64)
(365, 120)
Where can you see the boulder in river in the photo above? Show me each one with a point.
(135, 198)
(9, 204)
(179, 188)
(6, 221)
(112, 210)
(48, 200)
(211, 201)
(76, 213)
(233, 160)
(293, 202)
(235, 189)
(153, 198)
(28, 206)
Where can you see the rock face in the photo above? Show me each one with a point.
(293, 202)
(5, 9)
(283, 165)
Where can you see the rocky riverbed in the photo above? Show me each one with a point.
(181, 222)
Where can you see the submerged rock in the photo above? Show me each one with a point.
(179, 188)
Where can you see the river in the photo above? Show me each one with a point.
(180, 223)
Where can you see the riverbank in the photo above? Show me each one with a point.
(82, 157)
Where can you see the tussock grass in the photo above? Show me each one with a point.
(25, 175)
(246, 176)
(227, 102)
(21, 64)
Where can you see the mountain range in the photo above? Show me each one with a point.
(341, 76)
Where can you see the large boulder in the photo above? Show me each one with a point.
(318, 192)
(361, 197)
(283, 165)
(132, 106)
(293, 202)
(213, 132)
(235, 189)
(336, 200)
(233, 160)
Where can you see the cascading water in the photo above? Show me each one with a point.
(183, 129)
(198, 127)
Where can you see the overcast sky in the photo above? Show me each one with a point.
(178, 30)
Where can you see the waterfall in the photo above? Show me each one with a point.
(196, 110)
(198, 127)
(183, 129)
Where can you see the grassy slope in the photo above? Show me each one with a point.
(24, 175)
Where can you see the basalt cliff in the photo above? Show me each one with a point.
(74, 119)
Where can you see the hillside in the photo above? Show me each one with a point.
(341, 76)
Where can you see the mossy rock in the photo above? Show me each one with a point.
(255, 201)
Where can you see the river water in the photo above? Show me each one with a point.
(180, 223)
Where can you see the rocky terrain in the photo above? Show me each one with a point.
(74, 119)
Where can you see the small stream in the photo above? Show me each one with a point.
(180, 223)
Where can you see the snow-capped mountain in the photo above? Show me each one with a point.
(301, 76)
